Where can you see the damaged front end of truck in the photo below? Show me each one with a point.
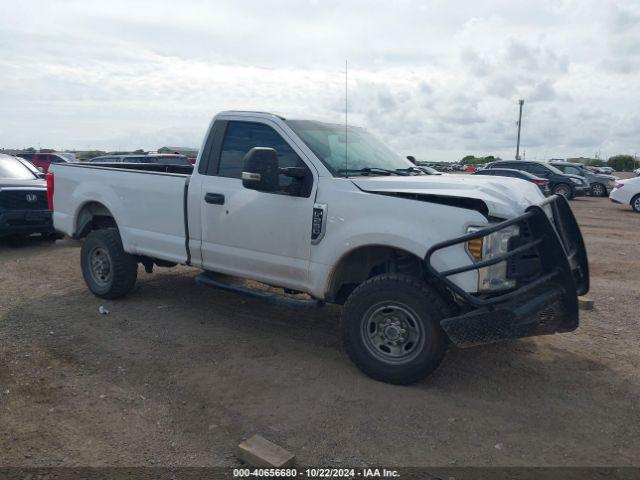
(544, 261)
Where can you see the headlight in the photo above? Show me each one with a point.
(493, 277)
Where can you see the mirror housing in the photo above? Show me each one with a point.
(260, 170)
(412, 159)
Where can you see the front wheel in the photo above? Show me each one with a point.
(563, 190)
(391, 328)
(598, 190)
(108, 270)
(635, 203)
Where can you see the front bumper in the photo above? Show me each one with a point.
(25, 222)
(551, 268)
(581, 191)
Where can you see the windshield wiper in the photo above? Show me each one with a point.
(373, 171)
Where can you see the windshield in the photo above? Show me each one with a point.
(14, 169)
(553, 169)
(355, 149)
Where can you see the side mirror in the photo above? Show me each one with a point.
(412, 159)
(260, 170)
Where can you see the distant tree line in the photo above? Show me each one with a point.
(622, 163)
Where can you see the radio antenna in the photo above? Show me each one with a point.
(346, 122)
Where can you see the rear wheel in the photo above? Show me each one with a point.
(391, 328)
(598, 190)
(108, 270)
(563, 190)
(635, 203)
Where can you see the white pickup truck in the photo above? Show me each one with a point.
(417, 261)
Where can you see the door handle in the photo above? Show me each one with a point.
(214, 198)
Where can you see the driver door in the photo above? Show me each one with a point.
(265, 236)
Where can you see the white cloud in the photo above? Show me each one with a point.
(436, 79)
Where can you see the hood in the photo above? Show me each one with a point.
(10, 182)
(504, 197)
(583, 180)
(602, 176)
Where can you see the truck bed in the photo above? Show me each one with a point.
(148, 202)
(145, 167)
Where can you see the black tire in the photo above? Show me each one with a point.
(598, 190)
(635, 203)
(414, 301)
(563, 190)
(108, 270)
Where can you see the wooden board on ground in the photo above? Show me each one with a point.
(257, 451)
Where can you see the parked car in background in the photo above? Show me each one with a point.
(637, 171)
(568, 186)
(607, 170)
(627, 192)
(42, 161)
(160, 158)
(427, 169)
(542, 183)
(599, 183)
(23, 200)
(595, 169)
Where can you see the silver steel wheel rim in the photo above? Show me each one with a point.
(392, 333)
(100, 266)
(598, 190)
(564, 191)
(636, 204)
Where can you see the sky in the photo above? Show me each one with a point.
(435, 79)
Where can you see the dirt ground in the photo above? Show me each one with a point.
(179, 374)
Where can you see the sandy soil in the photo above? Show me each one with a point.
(179, 374)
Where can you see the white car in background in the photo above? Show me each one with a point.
(627, 192)
(637, 171)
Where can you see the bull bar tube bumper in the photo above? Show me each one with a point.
(545, 298)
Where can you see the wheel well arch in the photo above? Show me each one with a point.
(92, 216)
(362, 263)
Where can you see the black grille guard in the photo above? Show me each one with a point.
(562, 275)
(560, 245)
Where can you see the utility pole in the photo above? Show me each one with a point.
(520, 102)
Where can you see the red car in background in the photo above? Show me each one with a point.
(43, 160)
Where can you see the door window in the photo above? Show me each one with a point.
(571, 170)
(539, 170)
(240, 137)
